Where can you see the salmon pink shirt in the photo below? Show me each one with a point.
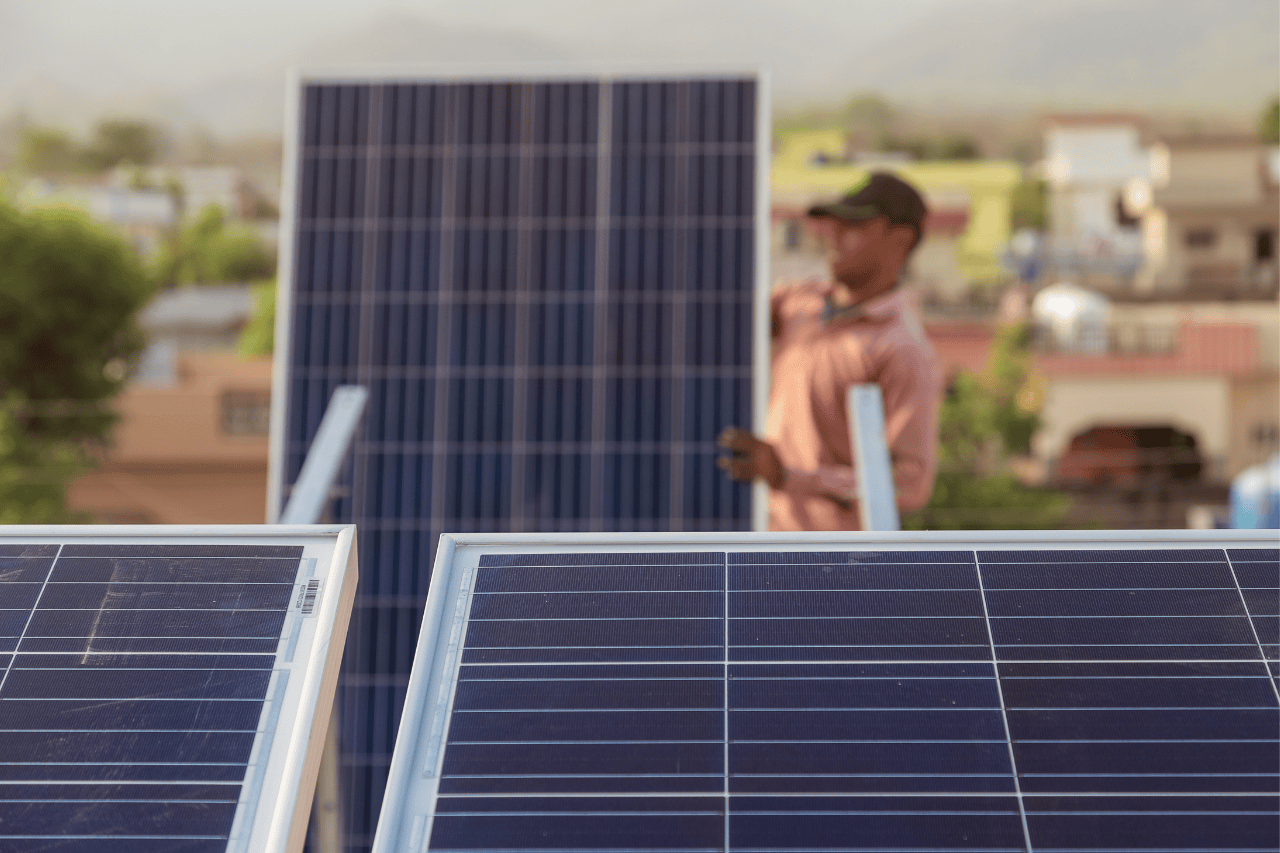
(819, 351)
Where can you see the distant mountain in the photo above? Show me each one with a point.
(1192, 55)
(1131, 53)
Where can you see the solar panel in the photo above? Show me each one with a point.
(551, 286)
(844, 692)
(160, 685)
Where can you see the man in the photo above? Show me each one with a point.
(828, 336)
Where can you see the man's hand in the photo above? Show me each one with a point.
(751, 458)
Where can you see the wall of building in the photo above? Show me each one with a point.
(1263, 316)
(1255, 422)
(1210, 201)
(191, 453)
(1208, 173)
(1200, 405)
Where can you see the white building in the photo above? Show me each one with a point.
(1210, 218)
(200, 186)
(1093, 163)
(1090, 162)
(142, 214)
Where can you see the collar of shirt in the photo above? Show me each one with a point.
(880, 308)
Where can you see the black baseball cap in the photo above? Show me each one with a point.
(881, 194)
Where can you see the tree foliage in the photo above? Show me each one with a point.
(259, 336)
(115, 142)
(984, 420)
(941, 147)
(69, 292)
(206, 248)
(868, 118)
(47, 151)
(1269, 122)
(118, 142)
(1029, 205)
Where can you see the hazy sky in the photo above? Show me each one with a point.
(182, 41)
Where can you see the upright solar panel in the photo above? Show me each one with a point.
(550, 287)
(903, 692)
(160, 686)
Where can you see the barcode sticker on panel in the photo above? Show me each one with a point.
(307, 596)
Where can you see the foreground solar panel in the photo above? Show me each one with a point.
(166, 688)
(995, 692)
(550, 286)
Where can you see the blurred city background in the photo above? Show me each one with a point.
(1099, 274)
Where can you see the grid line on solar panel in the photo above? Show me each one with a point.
(73, 722)
(30, 615)
(1123, 779)
(1265, 632)
(1004, 717)
(482, 149)
(1128, 754)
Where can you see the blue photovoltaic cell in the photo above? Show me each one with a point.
(908, 700)
(547, 288)
(125, 724)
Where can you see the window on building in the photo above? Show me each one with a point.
(246, 413)
(1264, 245)
(1266, 439)
(1124, 219)
(1200, 238)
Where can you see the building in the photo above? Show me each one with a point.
(144, 216)
(1090, 162)
(200, 186)
(1093, 163)
(191, 443)
(191, 452)
(1210, 371)
(1210, 218)
(1212, 382)
(196, 187)
(198, 317)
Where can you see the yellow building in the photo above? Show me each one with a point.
(811, 165)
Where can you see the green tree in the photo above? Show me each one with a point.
(868, 118)
(69, 292)
(984, 420)
(1029, 205)
(944, 147)
(47, 151)
(206, 248)
(1269, 123)
(259, 336)
(122, 142)
(953, 147)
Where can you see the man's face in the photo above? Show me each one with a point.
(856, 251)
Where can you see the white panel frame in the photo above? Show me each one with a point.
(490, 72)
(283, 802)
(877, 496)
(404, 824)
(328, 450)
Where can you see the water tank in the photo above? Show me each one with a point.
(1255, 496)
(1075, 319)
